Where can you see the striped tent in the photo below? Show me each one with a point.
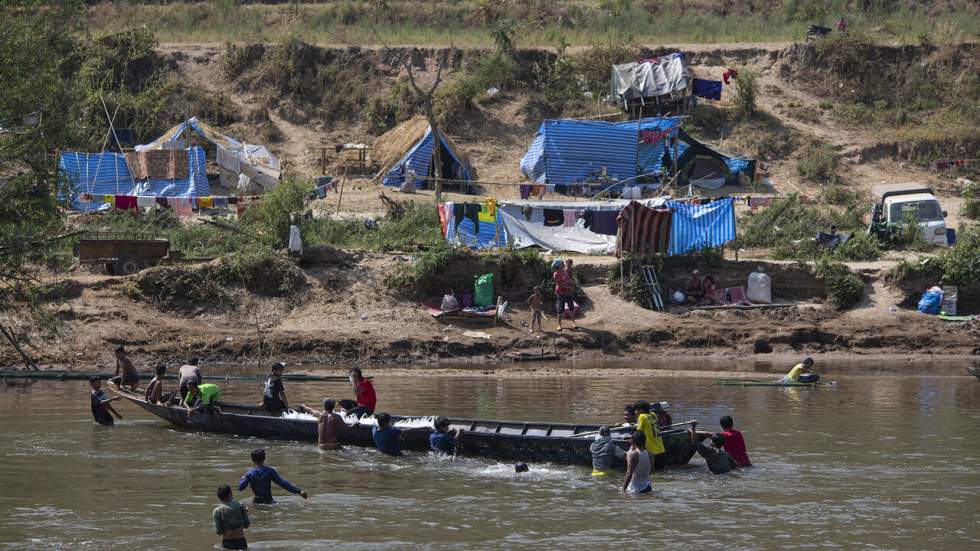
(108, 174)
(570, 151)
(696, 227)
(487, 233)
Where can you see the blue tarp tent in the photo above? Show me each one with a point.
(700, 162)
(108, 174)
(420, 160)
(572, 151)
(696, 227)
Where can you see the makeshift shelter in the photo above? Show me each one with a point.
(699, 226)
(473, 225)
(235, 159)
(655, 86)
(708, 167)
(178, 173)
(569, 152)
(409, 146)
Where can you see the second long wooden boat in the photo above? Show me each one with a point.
(505, 440)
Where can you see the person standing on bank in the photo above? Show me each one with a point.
(230, 520)
(564, 292)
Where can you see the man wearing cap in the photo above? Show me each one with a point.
(274, 394)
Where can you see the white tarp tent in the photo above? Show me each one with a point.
(259, 166)
(523, 232)
(665, 75)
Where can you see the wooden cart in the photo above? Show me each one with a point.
(122, 253)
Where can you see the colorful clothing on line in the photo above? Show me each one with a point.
(125, 202)
(553, 217)
(205, 202)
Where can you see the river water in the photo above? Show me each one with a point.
(887, 462)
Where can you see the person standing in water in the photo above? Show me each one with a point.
(274, 393)
(260, 478)
(443, 440)
(646, 422)
(100, 404)
(638, 467)
(604, 452)
(230, 520)
(718, 460)
(329, 424)
(734, 442)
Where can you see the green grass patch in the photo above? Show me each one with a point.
(844, 288)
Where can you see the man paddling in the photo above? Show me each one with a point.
(329, 424)
(363, 392)
(230, 520)
(100, 404)
(274, 393)
(260, 478)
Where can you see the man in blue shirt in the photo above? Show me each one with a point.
(260, 478)
(442, 440)
(386, 437)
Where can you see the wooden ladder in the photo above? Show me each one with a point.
(653, 286)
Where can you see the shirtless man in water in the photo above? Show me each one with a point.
(329, 424)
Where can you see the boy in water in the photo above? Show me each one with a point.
(734, 442)
(260, 478)
(230, 520)
(443, 440)
(718, 460)
(100, 404)
(329, 424)
(534, 301)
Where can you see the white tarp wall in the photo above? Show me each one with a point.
(522, 232)
(644, 80)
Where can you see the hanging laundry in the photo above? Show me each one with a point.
(602, 222)
(485, 216)
(491, 204)
(162, 202)
(145, 202)
(756, 202)
(469, 211)
(538, 191)
(125, 202)
(654, 136)
(233, 200)
(443, 220)
(527, 212)
(525, 191)
(220, 202)
(85, 198)
(570, 217)
(561, 189)
(553, 217)
(205, 202)
(240, 209)
(182, 207)
(642, 230)
(707, 89)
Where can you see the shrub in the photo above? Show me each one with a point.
(788, 220)
(957, 265)
(746, 90)
(971, 203)
(844, 288)
(817, 163)
(431, 262)
(259, 272)
(269, 220)
(416, 229)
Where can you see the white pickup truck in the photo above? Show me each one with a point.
(897, 203)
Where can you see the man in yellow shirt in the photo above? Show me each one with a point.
(794, 374)
(646, 422)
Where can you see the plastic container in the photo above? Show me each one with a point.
(759, 289)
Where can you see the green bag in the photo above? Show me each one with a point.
(483, 292)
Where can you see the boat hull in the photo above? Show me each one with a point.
(512, 441)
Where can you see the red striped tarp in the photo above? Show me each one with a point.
(643, 230)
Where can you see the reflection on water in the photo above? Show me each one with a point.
(886, 462)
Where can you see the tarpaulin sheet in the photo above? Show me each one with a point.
(696, 227)
(491, 233)
(108, 174)
(669, 74)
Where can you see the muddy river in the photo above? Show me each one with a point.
(883, 462)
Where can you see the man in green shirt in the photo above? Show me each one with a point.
(230, 520)
(205, 396)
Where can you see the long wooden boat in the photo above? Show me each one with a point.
(754, 382)
(505, 440)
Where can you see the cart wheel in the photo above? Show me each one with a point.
(127, 266)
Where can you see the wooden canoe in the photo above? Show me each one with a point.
(754, 382)
(504, 440)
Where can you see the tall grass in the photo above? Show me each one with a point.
(464, 23)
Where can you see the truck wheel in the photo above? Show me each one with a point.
(128, 266)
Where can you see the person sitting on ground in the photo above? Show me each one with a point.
(694, 289)
(101, 407)
(604, 452)
(260, 479)
(230, 520)
(718, 460)
(629, 414)
(734, 442)
(564, 292)
(443, 440)
(274, 393)
(187, 373)
(802, 373)
(638, 467)
(154, 390)
(710, 291)
(367, 400)
(534, 301)
(204, 397)
(128, 376)
(329, 424)
(664, 419)
(646, 422)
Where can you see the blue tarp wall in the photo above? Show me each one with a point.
(419, 159)
(491, 234)
(108, 174)
(696, 227)
(568, 151)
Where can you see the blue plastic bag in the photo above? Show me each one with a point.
(930, 302)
